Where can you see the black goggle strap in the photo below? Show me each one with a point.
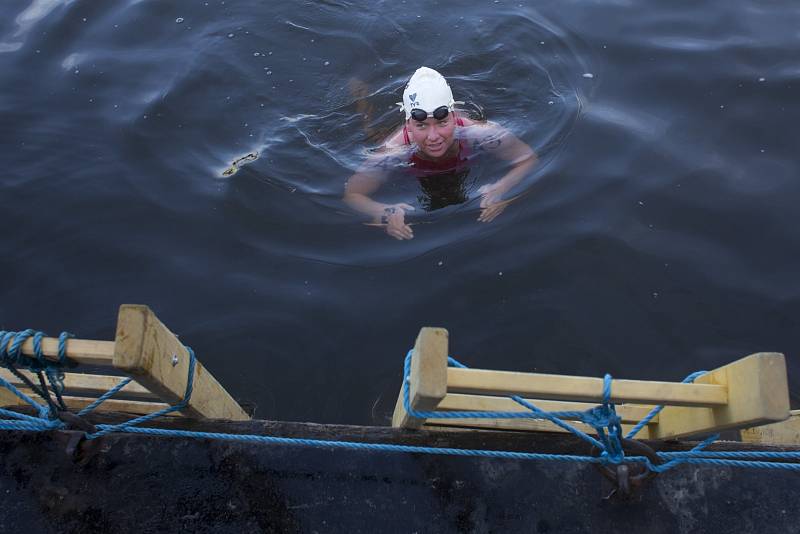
(438, 113)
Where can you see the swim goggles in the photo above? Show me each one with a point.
(438, 113)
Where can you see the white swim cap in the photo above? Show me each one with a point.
(426, 90)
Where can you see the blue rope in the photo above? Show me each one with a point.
(602, 418)
(535, 413)
(105, 396)
(43, 410)
(655, 411)
(11, 350)
(609, 444)
(126, 426)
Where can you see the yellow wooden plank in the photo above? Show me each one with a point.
(453, 402)
(8, 399)
(584, 389)
(116, 405)
(526, 425)
(83, 351)
(87, 384)
(75, 404)
(148, 351)
(782, 433)
(758, 393)
(428, 377)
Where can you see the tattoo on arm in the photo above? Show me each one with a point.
(387, 162)
(487, 143)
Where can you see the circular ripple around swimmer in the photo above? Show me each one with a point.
(521, 70)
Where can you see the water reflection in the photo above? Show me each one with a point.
(28, 18)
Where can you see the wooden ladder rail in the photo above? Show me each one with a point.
(147, 351)
(748, 392)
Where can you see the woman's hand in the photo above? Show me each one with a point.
(395, 217)
(492, 202)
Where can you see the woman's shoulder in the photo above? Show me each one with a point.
(463, 120)
(396, 139)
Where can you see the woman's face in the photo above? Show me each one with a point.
(433, 137)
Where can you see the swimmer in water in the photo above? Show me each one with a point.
(436, 140)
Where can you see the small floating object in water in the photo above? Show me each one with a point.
(588, 75)
(234, 168)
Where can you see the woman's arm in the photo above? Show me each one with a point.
(503, 144)
(366, 181)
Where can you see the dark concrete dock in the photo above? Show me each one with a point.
(133, 483)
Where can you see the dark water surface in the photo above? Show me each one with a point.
(658, 236)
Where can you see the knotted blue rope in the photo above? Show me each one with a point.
(11, 356)
(603, 418)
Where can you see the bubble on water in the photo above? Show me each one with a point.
(588, 75)
(268, 71)
(76, 71)
(230, 36)
(327, 63)
(762, 79)
(440, 263)
(84, 19)
(550, 102)
(500, 273)
(655, 294)
(256, 54)
(762, 150)
(722, 106)
(179, 20)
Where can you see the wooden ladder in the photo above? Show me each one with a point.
(145, 350)
(748, 392)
